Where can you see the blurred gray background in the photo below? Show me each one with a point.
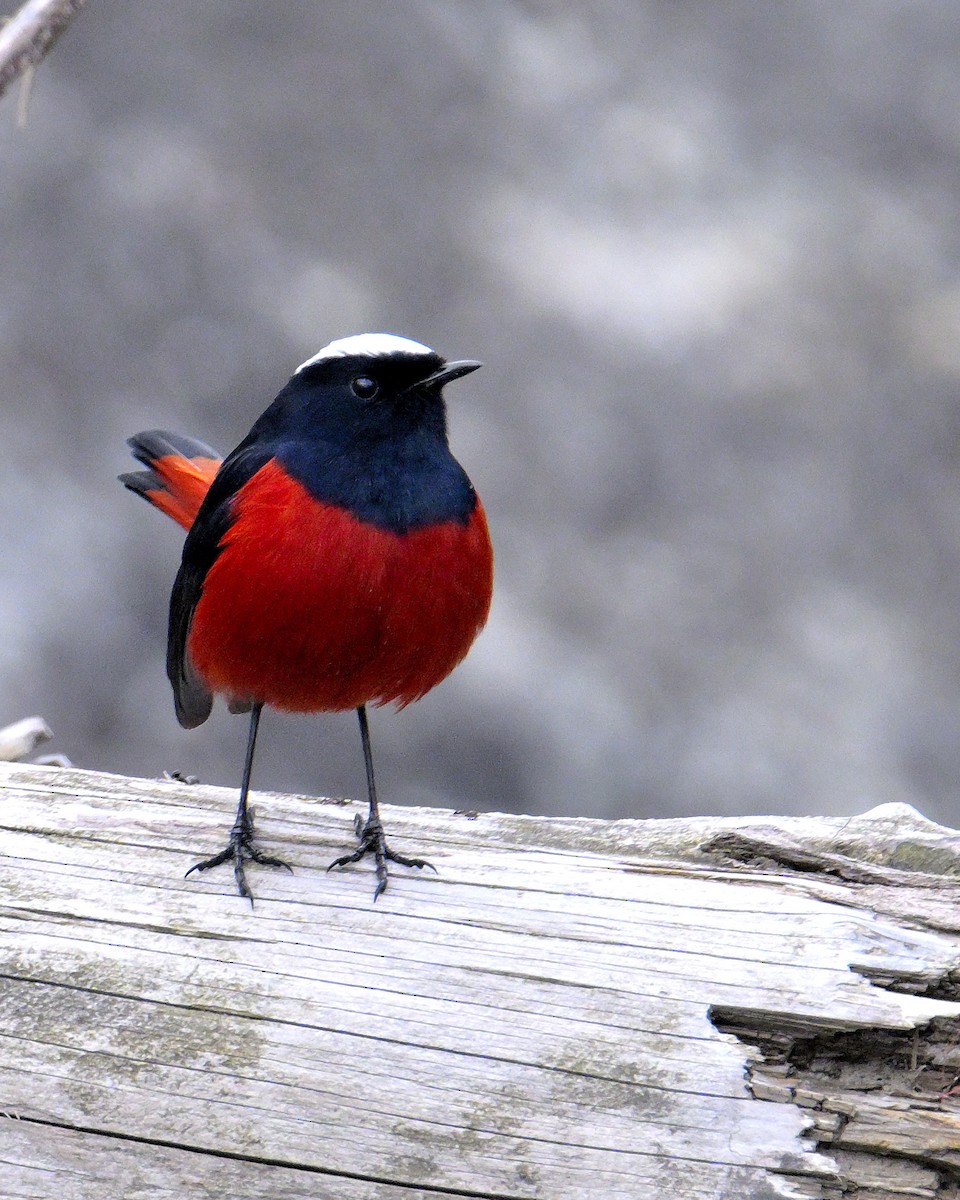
(710, 255)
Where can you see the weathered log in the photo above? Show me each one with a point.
(568, 1008)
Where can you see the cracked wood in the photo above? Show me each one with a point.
(569, 1009)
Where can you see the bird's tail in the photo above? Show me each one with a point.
(179, 470)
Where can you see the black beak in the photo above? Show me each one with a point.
(453, 370)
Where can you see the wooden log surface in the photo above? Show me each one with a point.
(753, 1008)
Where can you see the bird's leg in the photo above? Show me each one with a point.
(240, 846)
(370, 832)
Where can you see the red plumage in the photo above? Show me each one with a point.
(308, 609)
(186, 482)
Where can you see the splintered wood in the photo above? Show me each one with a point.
(567, 1009)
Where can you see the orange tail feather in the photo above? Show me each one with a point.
(179, 471)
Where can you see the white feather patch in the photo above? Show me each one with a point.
(368, 345)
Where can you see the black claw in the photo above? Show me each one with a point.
(212, 862)
(373, 841)
(240, 849)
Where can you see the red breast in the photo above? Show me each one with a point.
(308, 609)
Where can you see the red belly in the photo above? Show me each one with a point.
(308, 609)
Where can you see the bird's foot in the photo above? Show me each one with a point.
(240, 849)
(373, 841)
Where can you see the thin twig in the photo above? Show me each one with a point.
(23, 96)
(30, 33)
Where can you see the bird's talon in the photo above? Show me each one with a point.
(240, 849)
(373, 841)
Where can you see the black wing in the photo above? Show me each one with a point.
(192, 698)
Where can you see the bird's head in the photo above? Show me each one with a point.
(375, 383)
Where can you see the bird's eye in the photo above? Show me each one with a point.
(364, 388)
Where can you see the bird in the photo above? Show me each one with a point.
(338, 558)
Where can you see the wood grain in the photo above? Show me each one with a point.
(566, 1009)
